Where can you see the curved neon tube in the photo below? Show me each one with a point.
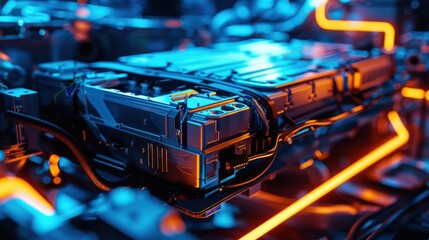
(360, 165)
(362, 26)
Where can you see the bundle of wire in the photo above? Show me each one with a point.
(388, 222)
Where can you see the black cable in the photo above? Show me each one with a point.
(423, 197)
(260, 174)
(282, 137)
(310, 124)
(70, 142)
(380, 220)
(354, 230)
(407, 220)
(368, 223)
(271, 153)
(370, 220)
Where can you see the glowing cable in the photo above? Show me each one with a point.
(17, 188)
(360, 165)
(362, 26)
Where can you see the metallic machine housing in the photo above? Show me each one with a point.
(220, 106)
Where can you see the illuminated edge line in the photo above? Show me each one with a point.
(362, 26)
(349, 172)
(17, 188)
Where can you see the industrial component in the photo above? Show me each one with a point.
(193, 119)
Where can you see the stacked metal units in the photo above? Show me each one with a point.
(196, 117)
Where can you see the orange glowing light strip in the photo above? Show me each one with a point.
(362, 26)
(17, 188)
(306, 164)
(349, 172)
(415, 93)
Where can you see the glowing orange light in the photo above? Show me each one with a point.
(82, 26)
(54, 168)
(414, 93)
(172, 224)
(57, 180)
(357, 80)
(4, 56)
(17, 188)
(349, 172)
(362, 26)
(81, 30)
(53, 165)
(306, 164)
